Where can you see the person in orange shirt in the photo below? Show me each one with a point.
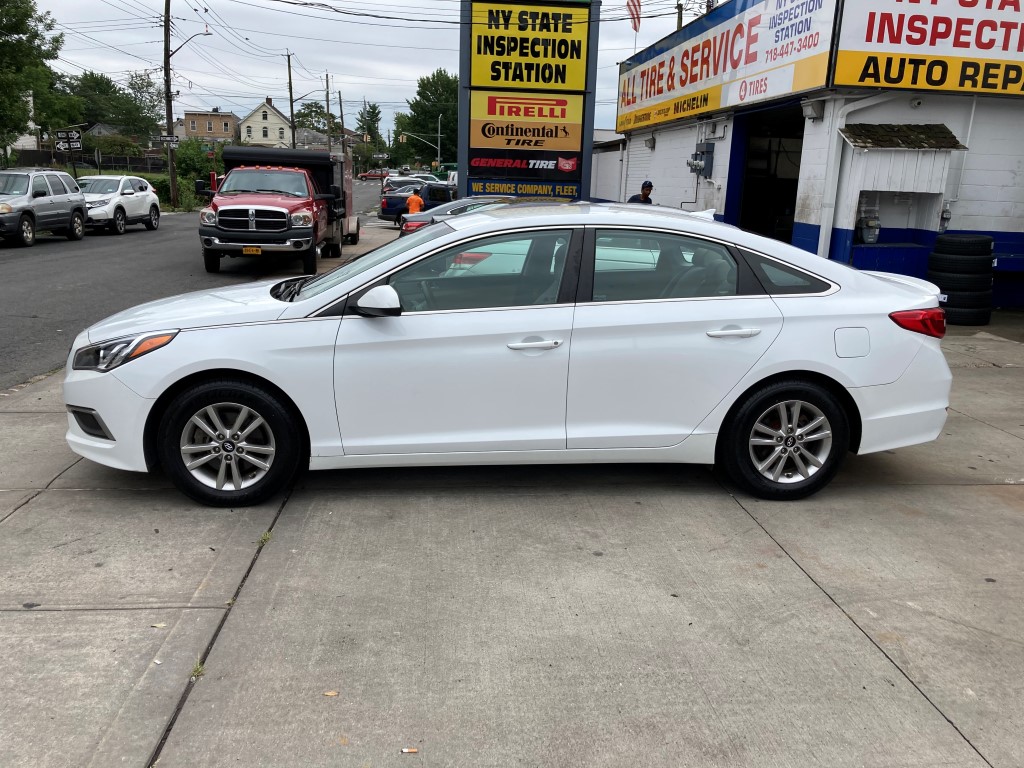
(415, 202)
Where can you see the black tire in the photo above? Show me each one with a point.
(968, 300)
(961, 264)
(950, 281)
(980, 245)
(211, 260)
(275, 446)
(119, 224)
(154, 218)
(828, 443)
(26, 232)
(309, 260)
(353, 237)
(76, 229)
(961, 316)
(332, 251)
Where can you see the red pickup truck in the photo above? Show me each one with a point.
(274, 201)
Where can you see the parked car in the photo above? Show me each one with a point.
(378, 173)
(425, 177)
(391, 183)
(35, 200)
(410, 222)
(117, 201)
(394, 205)
(605, 333)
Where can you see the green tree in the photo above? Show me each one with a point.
(141, 105)
(437, 95)
(56, 102)
(368, 122)
(314, 116)
(24, 50)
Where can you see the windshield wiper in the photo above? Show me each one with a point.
(290, 291)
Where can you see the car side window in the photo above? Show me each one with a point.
(39, 185)
(634, 266)
(503, 271)
(438, 194)
(126, 186)
(70, 183)
(56, 187)
(140, 185)
(783, 279)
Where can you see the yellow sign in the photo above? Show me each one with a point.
(529, 47)
(504, 120)
(971, 46)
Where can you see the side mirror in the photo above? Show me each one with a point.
(201, 186)
(336, 191)
(39, 193)
(128, 192)
(381, 301)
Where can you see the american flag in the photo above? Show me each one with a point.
(633, 6)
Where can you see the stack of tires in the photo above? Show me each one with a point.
(961, 265)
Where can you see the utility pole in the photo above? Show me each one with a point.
(341, 117)
(439, 141)
(168, 105)
(327, 97)
(291, 97)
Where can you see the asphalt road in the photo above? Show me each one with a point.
(53, 290)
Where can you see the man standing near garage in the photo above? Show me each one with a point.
(645, 194)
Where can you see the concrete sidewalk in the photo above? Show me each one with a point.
(569, 616)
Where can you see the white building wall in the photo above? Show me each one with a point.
(606, 173)
(665, 165)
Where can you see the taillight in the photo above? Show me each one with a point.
(469, 258)
(409, 226)
(930, 322)
(383, 202)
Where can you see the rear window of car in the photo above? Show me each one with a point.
(784, 279)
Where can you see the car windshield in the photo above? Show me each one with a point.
(371, 259)
(13, 183)
(100, 186)
(264, 180)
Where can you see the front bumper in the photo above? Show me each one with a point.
(289, 241)
(118, 411)
(9, 223)
(97, 216)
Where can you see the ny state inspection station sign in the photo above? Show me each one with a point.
(529, 65)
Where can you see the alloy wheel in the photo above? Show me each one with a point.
(227, 446)
(790, 442)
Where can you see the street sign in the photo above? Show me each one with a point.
(381, 155)
(76, 145)
(69, 134)
(61, 146)
(61, 134)
(167, 139)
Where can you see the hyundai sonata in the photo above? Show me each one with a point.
(554, 334)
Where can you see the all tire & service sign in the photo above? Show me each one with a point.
(528, 104)
(968, 46)
(742, 52)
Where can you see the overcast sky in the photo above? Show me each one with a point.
(243, 61)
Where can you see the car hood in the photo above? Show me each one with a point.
(261, 200)
(9, 198)
(90, 196)
(249, 303)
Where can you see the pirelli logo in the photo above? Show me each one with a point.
(528, 107)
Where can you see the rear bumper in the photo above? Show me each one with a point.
(910, 410)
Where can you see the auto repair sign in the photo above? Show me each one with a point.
(969, 46)
(742, 52)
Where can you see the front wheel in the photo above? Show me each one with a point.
(309, 259)
(786, 441)
(211, 260)
(154, 218)
(119, 223)
(26, 232)
(229, 443)
(76, 231)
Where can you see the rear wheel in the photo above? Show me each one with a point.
(786, 441)
(353, 237)
(26, 231)
(229, 443)
(119, 223)
(76, 230)
(211, 260)
(154, 218)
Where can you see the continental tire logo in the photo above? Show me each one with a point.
(512, 130)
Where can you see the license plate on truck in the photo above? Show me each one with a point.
(251, 250)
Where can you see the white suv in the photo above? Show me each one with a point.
(115, 202)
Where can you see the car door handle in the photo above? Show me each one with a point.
(545, 344)
(743, 333)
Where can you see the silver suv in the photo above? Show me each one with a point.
(40, 199)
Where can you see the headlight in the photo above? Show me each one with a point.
(98, 203)
(302, 218)
(208, 216)
(108, 355)
(5, 208)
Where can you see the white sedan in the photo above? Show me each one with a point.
(548, 334)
